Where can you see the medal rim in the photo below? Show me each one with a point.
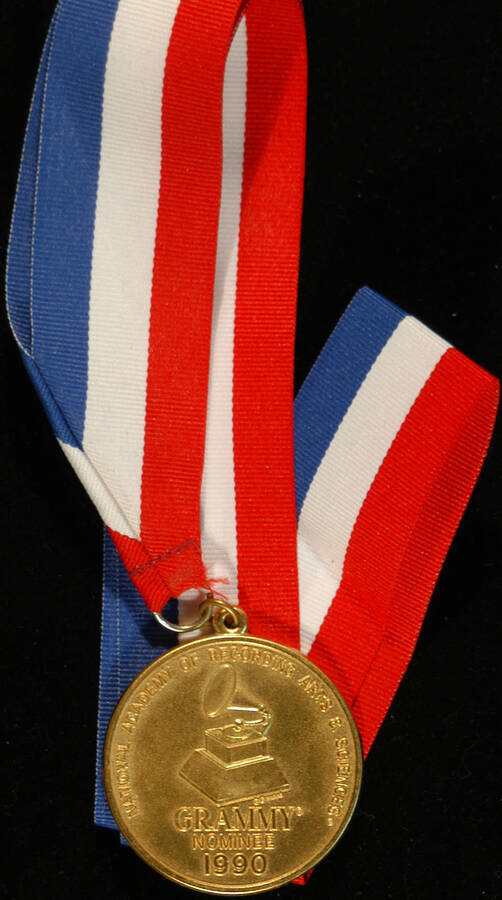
(144, 854)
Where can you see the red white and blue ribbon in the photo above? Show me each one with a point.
(152, 287)
(187, 184)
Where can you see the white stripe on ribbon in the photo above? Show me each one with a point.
(352, 461)
(123, 250)
(218, 515)
(97, 489)
(218, 523)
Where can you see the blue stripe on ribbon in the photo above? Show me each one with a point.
(70, 135)
(18, 278)
(130, 640)
(20, 248)
(54, 414)
(335, 378)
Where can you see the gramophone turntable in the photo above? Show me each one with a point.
(235, 763)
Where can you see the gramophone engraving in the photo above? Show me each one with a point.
(235, 762)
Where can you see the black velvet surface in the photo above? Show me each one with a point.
(404, 193)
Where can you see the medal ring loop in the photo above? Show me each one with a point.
(224, 609)
(238, 616)
(205, 615)
(221, 624)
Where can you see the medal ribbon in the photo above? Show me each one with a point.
(152, 287)
(146, 201)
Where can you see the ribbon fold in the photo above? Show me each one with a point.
(152, 277)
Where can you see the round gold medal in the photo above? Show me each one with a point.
(232, 765)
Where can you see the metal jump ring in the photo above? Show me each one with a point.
(205, 615)
(220, 625)
(223, 605)
(205, 609)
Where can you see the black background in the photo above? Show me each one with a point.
(404, 193)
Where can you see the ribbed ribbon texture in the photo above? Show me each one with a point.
(152, 279)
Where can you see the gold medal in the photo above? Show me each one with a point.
(232, 764)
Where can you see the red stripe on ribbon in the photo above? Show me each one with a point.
(181, 302)
(401, 538)
(149, 572)
(182, 292)
(271, 209)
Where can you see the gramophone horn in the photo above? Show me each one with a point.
(219, 691)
